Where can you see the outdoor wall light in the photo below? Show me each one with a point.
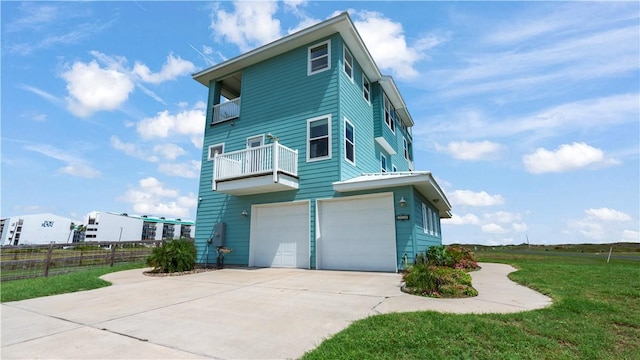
(244, 213)
(199, 199)
(402, 202)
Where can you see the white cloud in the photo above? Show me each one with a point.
(92, 88)
(471, 198)
(502, 217)
(153, 197)
(189, 169)
(75, 165)
(171, 69)
(462, 220)
(169, 151)
(630, 236)
(164, 125)
(472, 151)
(606, 214)
(387, 44)
(132, 149)
(567, 157)
(493, 229)
(249, 25)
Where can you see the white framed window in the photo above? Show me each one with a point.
(319, 138)
(430, 218)
(255, 141)
(319, 57)
(389, 115)
(366, 89)
(215, 150)
(383, 163)
(405, 148)
(348, 63)
(394, 168)
(436, 231)
(425, 222)
(349, 142)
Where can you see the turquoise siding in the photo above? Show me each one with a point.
(423, 240)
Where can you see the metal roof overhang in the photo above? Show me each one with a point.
(424, 183)
(340, 24)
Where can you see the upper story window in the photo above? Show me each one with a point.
(389, 115)
(383, 163)
(348, 63)
(405, 148)
(215, 150)
(349, 142)
(319, 57)
(319, 138)
(366, 89)
(394, 168)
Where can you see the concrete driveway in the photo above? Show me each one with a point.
(229, 314)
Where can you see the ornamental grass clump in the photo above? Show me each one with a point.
(173, 256)
(441, 272)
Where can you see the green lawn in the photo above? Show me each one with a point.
(44, 286)
(596, 315)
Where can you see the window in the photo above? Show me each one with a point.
(215, 150)
(366, 89)
(405, 148)
(394, 168)
(425, 223)
(348, 63)
(383, 163)
(389, 115)
(436, 231)
(430, 213)
(319, 138)
(319, 58)
(349, 142)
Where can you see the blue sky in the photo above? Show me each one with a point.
(527, 113)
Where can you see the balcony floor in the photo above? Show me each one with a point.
(257, 184)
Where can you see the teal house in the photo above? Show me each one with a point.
(308, 160)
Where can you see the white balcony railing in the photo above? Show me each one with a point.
(226, 111)
(267, 159)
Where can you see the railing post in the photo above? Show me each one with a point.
(48, 263)
(215, 169)
(274, 157)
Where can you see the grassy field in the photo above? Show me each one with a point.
(45, 286)
(596, 315)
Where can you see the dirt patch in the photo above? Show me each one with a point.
(181, 273)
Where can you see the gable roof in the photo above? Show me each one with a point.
(423, 181)
(339, 24)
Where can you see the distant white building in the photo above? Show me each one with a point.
(35, 229)
(109, 226)
(101, 226)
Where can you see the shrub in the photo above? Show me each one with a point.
(173, 256)
(462, 258)
(437, 281)
(438, 256)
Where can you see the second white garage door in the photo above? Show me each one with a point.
(280, 235)
(357, 233)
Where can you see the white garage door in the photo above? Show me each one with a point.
(357, 233)
(280, 235)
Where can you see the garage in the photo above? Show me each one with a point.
(357, 233)
(280, 235)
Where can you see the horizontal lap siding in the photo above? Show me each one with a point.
(423, 240)
(278, 98)
(355, 108)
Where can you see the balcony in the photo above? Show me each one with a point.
(226, 111)
(262, 169)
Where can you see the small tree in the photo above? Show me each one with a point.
(173, 256)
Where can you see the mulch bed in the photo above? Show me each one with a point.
(159, 274)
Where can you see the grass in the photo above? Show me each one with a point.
(595, 315)
(60, 284)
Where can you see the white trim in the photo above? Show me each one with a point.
(368, 92)
(405, 148)
(328, 56)
(384, 144)
(329, 145)
(425, 222)
(383, 163)
(353, 143)
(209, 158)
(346, 51)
